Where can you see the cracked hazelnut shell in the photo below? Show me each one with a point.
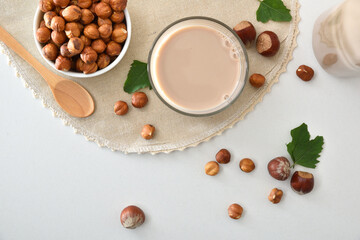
(103, 61)
(91, 31)
(103, 10)
(88, 55)
(43, 35)
(302, 182)
(72, 13)
(118, 5)
(113, 49)
(279, 168)
(267, 44)
(246, 31)
(50, 51)
(63, 63)
(147, 132)
(132, 217)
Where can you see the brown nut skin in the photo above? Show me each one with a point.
(113, 49)
(98, 45)
(46, 5)
(148, 132)
(119, 35)
(105, 31)
(63, 63)
(275, 196)
(102, 21)
(89, 68)
(92, 7)
(75, 45)
(121, 108)
(139, 99)
(132, 217)
(212, 168)
(246, 31)
(235, 211)
(61, 3)
(84, 3)
(79, 65)
(42, 24)
(305, 73)
(48, 17)
(105, 1)
(72, 13)
(118, 5)
(50, 51)
(58, 24)
(247, 165)
(86, 16)
(103, 61)
(43, 35)
(257, 80)
(279, 168)
(103, 10)
(268, 44)
(64, 51)
(302, 182)
(223, 156)
(72, 29)
(117, 17)
(91, 31)
(58, 38)
(86, 40)
(119, 25)
(88, 55)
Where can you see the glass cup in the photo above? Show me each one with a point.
(238, 49)
(336, 39)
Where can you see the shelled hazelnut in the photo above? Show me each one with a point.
(305, 73)
(113, 49)
(212, 168)
(58, 24)
(63, 63)
(61, 3)
(235, 211)
(121, 108)
(105, 30)
(92, 7)
(98, 45)
(132, 217)
(79, 66)
(46, 5)
(103, 61)
(64, 51)
(86, 40)
(89, 68)
(139, 99)
(119, 25)
(118, 5)
(72, 29)
(247, 165)
(117, 17)
(103, 10)
(102, 21)
(58, 38)
(148, 132)
(257, 80)
(119, 35)
(91, 31)
(42, 24)
(84, 3)
(48, 16)
(43, 35)
(275, 195)
(75, 45)
(72, 13)
(88, 55)
(86, 16)
(223, 156)
(50, 51)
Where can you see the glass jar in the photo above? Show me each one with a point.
(336, 39)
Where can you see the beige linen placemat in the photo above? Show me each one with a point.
(149, 17)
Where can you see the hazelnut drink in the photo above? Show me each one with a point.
(197, 69)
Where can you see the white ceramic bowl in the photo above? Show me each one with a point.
(39, 16)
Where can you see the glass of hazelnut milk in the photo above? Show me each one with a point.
(336, 39)
(198, 66)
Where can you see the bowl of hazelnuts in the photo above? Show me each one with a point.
(82, 38)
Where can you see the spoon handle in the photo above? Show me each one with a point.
(11, 42)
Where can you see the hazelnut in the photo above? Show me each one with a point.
(75, 45)
(257, 80)
(223, 156)
(64, 51)
(302, 182)
(103, 61)
(84, 3)
(117, 17)
(43, 35)
(50, 51)
(72, 30)
(118, 5)
(119, 25)
(98, 45)
(105, 30)
(121, 108)
(79, 65)
(106, 40)
(72, 13)
(58, 37)
(104, 21)
(305, 73)
(246, 31)
(63, 63)
(103, 10)
(279, 168)
(275, 195)
(148, 132)
(92, 7)
(247, 165)
(86, 16)
(89, 68)
(113, 49)
(88, 55)
(48, 17)
(62, 3)
(86, 40)
(119, 35)
(139, 99)
(105, 1)
(330, 59)
(132, 217)
(235, 211)
(212, 168)
(267, 44)
(46, 5)
(81, 27)
(91, 31)
(58, 24)
(42, 24)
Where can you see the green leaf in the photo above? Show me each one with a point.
(302, 150)
(273, 10)
(137, 77)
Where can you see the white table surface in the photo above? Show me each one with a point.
(56, 185)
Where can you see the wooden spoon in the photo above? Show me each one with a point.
(72, 97)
